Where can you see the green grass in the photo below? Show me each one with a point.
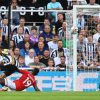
(49, 95)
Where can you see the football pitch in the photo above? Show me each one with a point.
(49, 95)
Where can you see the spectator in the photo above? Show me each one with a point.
(47, 34)
(30, 57)
(62, 65)
(91, 25)
(98, 50)
(12, 45)
(89, 51)
(51, 65)
(62, 30)
(92, 2)
(15, 15)
(57, 53)
(40, 50)
(97, 35)
(34, 35)
(54, 43)
(80, 63)
(25, 39)
(46, 22)
(19, 36)
(16, 55)
(80, 22)
(94, 64)
(4, 31)
(54, 5)
(73, 2)
(41, 39)
(21, 24)
(80, 43)
(21, 63)
(85, 34)
(60, 19)
(37, 64)
(45, 58)
(24, 51)
(96, 19)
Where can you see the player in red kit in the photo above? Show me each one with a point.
(27, 79)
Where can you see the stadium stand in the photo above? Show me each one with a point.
(44, 40)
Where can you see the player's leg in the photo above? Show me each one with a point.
(11, 68)
(10, 84)
(2, 82)
(2, 76)
(2, 67)
(8, 70)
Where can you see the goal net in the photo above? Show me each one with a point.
(86, 63)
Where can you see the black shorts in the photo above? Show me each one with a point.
(9, 69)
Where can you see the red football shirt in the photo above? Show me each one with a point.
(26, 80)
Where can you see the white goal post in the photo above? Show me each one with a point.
(83, 9)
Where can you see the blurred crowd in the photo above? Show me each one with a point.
(48, 46)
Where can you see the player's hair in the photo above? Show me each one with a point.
(35, 71)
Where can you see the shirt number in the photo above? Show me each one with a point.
(27, 82)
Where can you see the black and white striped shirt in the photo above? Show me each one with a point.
(55, 53)
(17, 38)
(4, 29)
(90, 51)
(26, 29)
(16, 62)
(61, 33)
(6, 59)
